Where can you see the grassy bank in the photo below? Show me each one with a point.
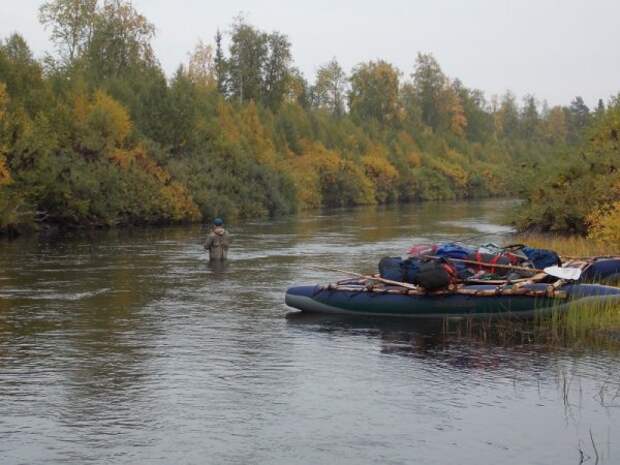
(568, 246)
(581, 326)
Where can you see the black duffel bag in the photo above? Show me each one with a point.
(433, 275)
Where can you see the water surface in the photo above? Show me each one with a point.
(128, 347)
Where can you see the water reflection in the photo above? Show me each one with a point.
(218, 266)
(131, 347)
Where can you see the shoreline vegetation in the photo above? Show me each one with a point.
(582, 326)
(590, 326)
(96, 135)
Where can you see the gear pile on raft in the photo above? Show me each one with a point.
(454, 279)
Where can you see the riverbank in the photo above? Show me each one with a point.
(582, 326)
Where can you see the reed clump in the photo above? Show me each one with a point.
(593, 324)
(583, 323)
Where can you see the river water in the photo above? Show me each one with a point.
(127, 347)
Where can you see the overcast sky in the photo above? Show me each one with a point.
(556, 49)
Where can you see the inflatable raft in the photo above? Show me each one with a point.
(475, 300)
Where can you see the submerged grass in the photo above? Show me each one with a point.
(583, 323)
(580, 325)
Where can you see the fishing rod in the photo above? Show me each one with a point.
(370, 278)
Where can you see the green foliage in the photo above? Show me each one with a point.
(99, 135)
(374, 93)
(330, 88)
(582, 188)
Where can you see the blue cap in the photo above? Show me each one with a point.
(218, 221)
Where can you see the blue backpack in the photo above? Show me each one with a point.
(397, 269)
(452, 250)
(541, 258)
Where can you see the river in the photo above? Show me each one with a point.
(127, 347)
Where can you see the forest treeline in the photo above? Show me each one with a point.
(95, 134)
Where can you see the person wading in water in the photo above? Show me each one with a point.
(218, 241)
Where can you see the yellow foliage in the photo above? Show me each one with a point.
(605, 224)
(257, 138)
(365, 194)
(382, 174)
(414, 159)
(177, 199)
(150, 166)
(317, 166)
(307, 182)
(376, 150)
(458, 121)
(229, 129)
(406, 149)
(122, 157)
(81, 109)
(320, 172)
(201, 66)
(451, 170)
(180, 203)
(102, 123)
(118, 122)
(455, 157)
(556, 125)
(450, 104)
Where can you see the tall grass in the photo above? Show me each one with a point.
(583, 325)
(589, 322)
(567, 246)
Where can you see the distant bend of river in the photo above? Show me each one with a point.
(128, 347)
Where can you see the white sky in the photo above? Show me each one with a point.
(552, 48)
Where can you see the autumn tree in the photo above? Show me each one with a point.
(23, 76)
(374, 92)
(330, 88)
(248, 54)
(276, 70)
(112, 37)
(121, 39)
(529, 117)
(479, 122)
(429, 84)
(439, 100)
(298, 90)
(72, 24)
(201, 66)
(556, 127)
(506, 117)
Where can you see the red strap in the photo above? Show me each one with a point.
(451, 271)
